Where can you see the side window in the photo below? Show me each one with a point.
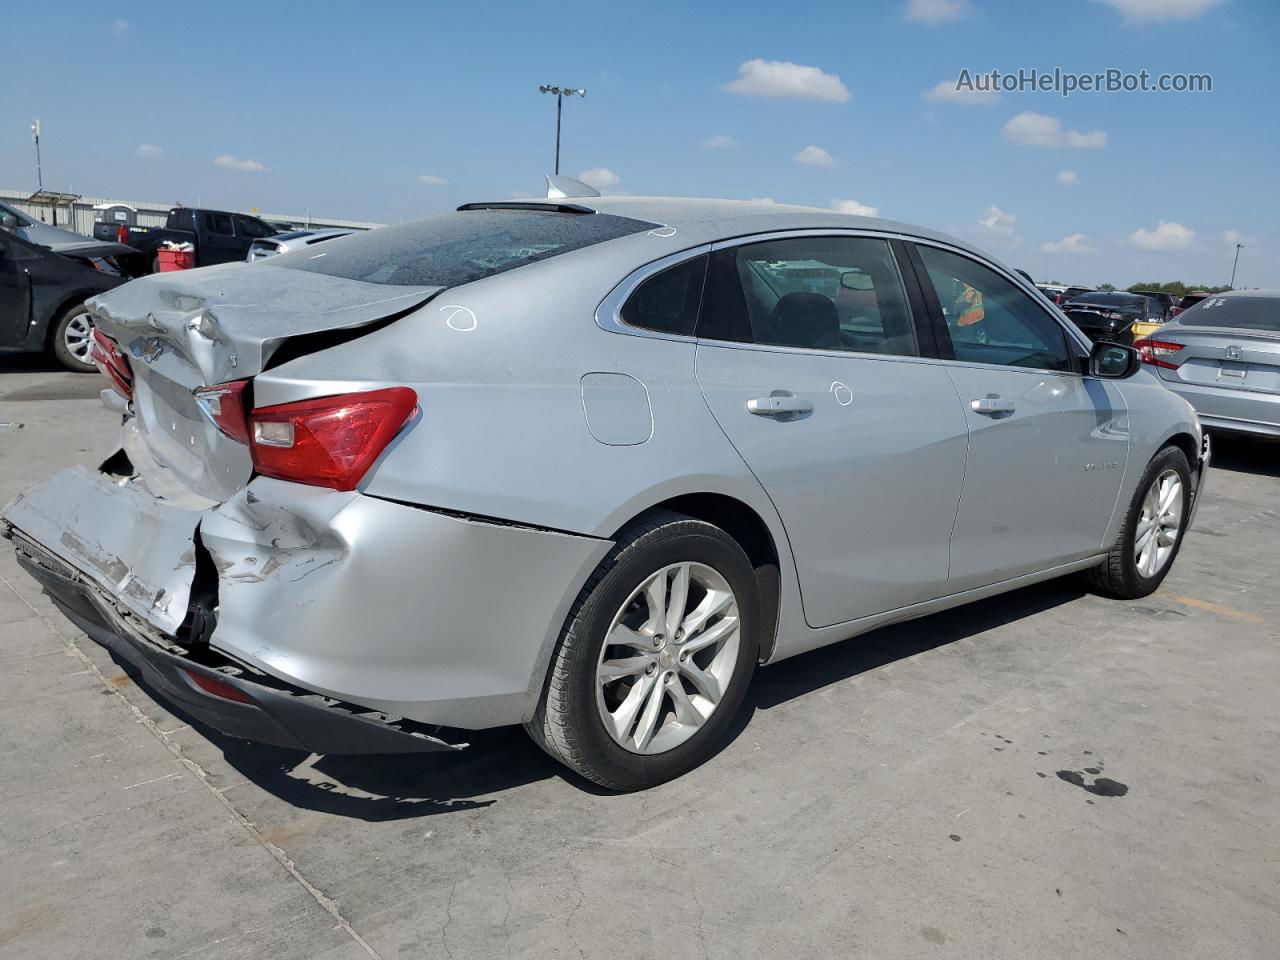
(820, 293)
(254, 228)
(668, 301)
(990, 320)
(218, 223)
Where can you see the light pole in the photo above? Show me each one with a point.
(35, 135)
(1235, 263)
(561, 93)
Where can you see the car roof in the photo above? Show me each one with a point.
(1242, 294)
(700, 220)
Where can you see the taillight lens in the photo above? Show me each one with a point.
(1158, 353)
(112, 363)
(224, 405)
(328, 441)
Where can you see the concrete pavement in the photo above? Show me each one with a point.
(942, 788)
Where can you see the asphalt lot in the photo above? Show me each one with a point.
(906, 794)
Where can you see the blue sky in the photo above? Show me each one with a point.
(358, 110)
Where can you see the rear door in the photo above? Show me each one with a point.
(809, 358)
(1048, 446)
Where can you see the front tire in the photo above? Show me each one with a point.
(1152, 532)
(72, 338)
(655, 658)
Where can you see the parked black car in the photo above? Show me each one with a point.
(1167, 301)
(1111, 316)
(218, 236)
(43, 289)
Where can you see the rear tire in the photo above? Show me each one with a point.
(71, 339)
(1152, 532)
(674, 696)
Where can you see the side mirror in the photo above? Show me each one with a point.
(8, 221)
(1113, 361)
(855, 280)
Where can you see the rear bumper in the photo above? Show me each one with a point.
(252, 706)
(396, 609)
(1226, 409)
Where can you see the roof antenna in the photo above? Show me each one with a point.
(558, 188)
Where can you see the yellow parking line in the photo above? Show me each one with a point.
(1220, 610)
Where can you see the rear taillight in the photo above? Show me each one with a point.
(224, 405)
(328, 441)
(1174, 311)
(112, 363)
(1158, 352)
(122, 234)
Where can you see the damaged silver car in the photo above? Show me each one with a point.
(582, 465)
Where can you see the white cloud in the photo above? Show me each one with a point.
(936, 11)
(428, 180)
(1232, 237)
(763, 200)
(121, 28)
(148, 151)
(1166, 236)
(1075, 243)
(855, 208)
(1162, 9)
(996, 223)
(229, 162)
(1031, 129)
(780, 78)
(600, 177)
(720, 140)
(814, 157)
(946, 92)
(1067, 178)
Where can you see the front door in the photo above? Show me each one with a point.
(808, 357)
(14, 299)
(1048, 445)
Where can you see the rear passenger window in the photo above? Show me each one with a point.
(819, 293)
(989, 319)
(668, 301)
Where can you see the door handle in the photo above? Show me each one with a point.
(992, 405)
(778, 406)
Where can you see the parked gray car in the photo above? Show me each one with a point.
(583, 465)
(1223, 356)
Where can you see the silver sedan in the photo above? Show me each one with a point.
(1223, 356)
(582, 465)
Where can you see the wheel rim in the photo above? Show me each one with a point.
(78, 337)
(668, 658)
(1159, 523)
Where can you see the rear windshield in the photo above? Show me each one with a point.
(457, 248)
(1243, 313)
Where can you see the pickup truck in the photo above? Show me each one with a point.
(218, 236)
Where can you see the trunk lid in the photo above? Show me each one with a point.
(189, 329)
(1237, 359)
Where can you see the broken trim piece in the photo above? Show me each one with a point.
(482, 518)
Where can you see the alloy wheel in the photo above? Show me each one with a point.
(78, 337)
(1158, 525)
(668, 658)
